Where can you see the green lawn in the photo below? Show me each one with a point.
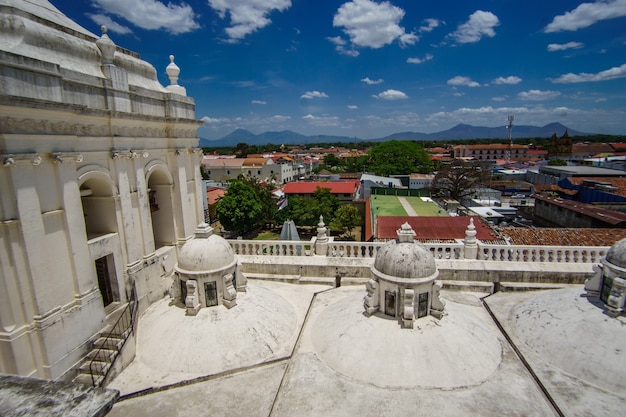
(423, 208)
(387, 205)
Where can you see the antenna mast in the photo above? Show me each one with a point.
(510, 128)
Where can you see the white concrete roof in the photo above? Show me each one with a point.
(263, 357)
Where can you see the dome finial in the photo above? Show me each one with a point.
(172, 73)
(406, 233)
(107, 47)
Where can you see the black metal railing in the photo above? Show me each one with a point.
(115, 340)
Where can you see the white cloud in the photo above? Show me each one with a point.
(352, 107)
(503, 98)
(427, 57)
(511, 79)
(391, 95)
(429, 25)
(462, 81)
(325, 121)
(113, 26)
(152, 14)
(247, 16)
(340, 46)
(367, 80)
(215, 120)
(372, 24)
(553, 47)
(586, 14)
(279, 118)
(259, 102)
(314, 94)
(610, 74)
(480, 24)
(538, 95)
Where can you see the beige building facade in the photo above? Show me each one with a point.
(100, 185)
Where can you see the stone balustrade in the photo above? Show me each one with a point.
(565, 254)
(450, 251)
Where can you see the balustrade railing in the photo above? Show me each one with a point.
(452, 251)
(566, 254)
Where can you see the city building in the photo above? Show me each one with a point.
(263, 169)
(345, 191)
(560, 147)
(490, 152)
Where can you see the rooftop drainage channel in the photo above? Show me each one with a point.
(153, 390)
(519, 354)
(295, 346)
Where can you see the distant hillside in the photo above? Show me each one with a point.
(285, 137)
(458, 132)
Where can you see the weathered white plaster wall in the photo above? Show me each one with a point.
(79, 140)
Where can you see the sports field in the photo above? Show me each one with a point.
(389, 205)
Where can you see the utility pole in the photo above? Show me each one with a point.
(510, 128)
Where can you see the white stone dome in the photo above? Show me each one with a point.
(205, 252)
(616, 256)
(405, 258)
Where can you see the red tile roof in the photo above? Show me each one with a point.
(433, 228)
(563, 237)
(335, 187)
(583, 149)
(251, 162)
(540, 188)
(213, 194)
(619, 183)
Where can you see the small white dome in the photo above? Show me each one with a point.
(405, 258)
(616, 256)
(205, 252)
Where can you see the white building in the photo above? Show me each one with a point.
(100, 185)
(419, 181)
(263, 169)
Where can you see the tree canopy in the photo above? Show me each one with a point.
(398, 157)
(306, 211)
(346, 219)
(241, 209)
(457, 179)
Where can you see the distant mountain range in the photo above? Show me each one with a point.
(458, 132)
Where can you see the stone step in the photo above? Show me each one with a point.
(331, 280)
(474, 286)
(112, 343)
(103, 355)
(529, 286)
(86, 379)
(273, 277)
(95, 367)
(116, 333)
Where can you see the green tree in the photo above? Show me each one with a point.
(331, 160)
(240, 210)
(398, 157)
(456, 180)
(346, 219)
(557, 162)
(264, 192)
(306, 211)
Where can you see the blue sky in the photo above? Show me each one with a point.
(366, 69)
